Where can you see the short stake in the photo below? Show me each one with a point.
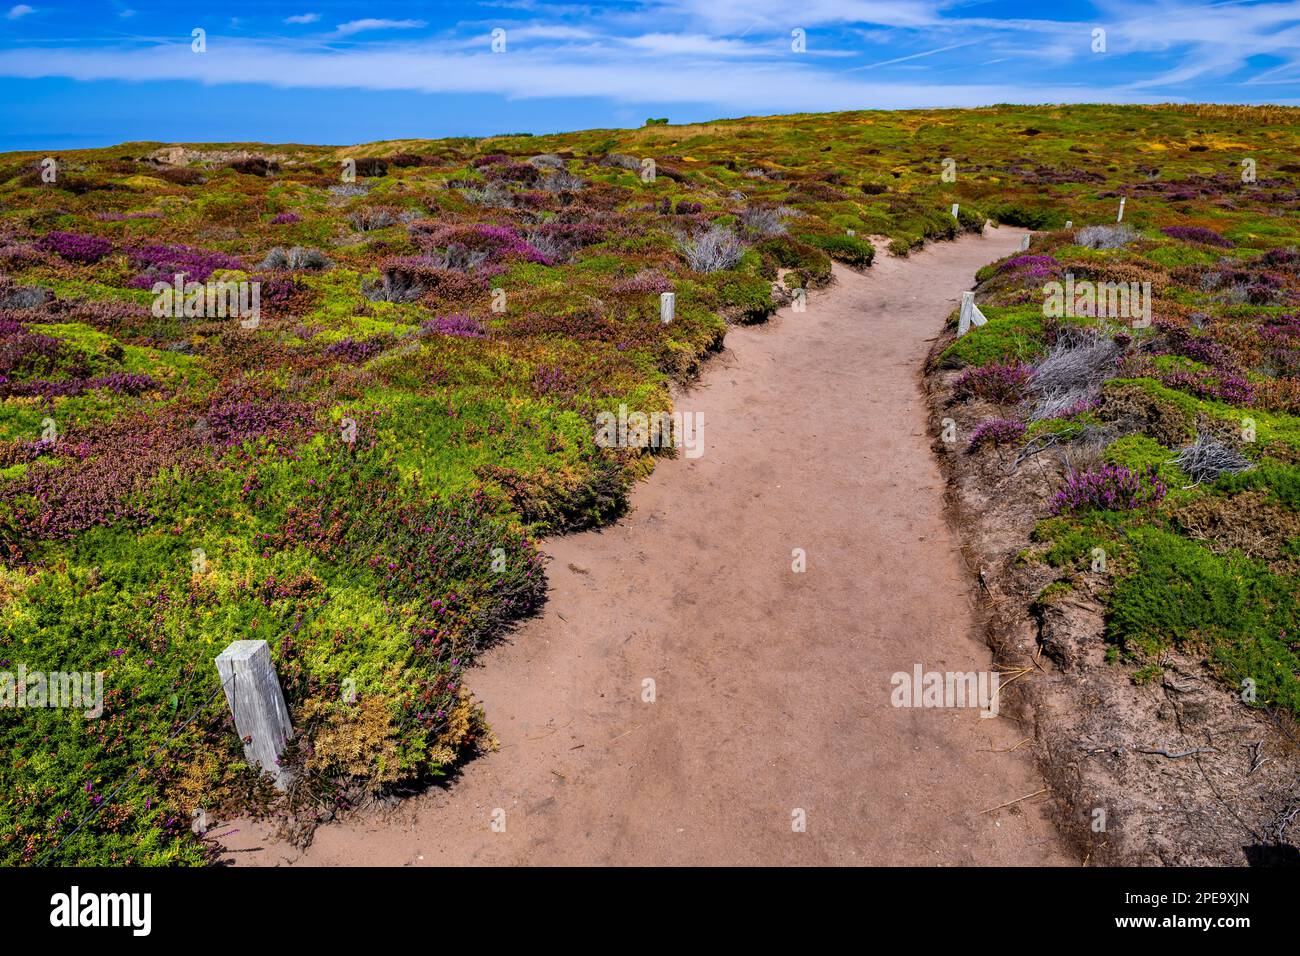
(667, 306)
(257, 703)
(970, 314)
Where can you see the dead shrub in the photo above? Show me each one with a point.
(1251, 522)
(712, 250)
(1133, 409)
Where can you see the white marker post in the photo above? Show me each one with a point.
(1069, 224)
(1024, 242)
(254, 695)
(1120, 217)
(970, 314)
(954, 210)
(667, 306)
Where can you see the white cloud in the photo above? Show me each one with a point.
(21, 10)
(727, 16)
(360, 26)
(678, 44)
(733, 55)
(302, 18)
(550, 31)
(745, 87)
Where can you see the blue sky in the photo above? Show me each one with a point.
(95, 72)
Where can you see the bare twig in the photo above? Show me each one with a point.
(1017, 800)
(1162, 752)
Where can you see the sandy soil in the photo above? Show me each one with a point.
(772, 688)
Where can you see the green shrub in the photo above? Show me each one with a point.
(811, 265)
(1072, 540)
(970, 219)
(1281, 480)
(1244, 619)
(1027, 216)
(1012, 332)
(850, 250)
(1137, 453)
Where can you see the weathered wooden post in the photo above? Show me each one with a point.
(1024, 242)
(254, 695)
(1120, 217)
(970, 314)
(667, 306)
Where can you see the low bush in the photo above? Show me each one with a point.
(1233, 610)
(84, 250)
(996, 431)
(1104, 237)
(1026, 216)
(1112, 487)
(1005, 384)
(849, 250)
(296, 258)
(712, 250)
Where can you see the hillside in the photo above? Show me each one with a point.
(358, 470)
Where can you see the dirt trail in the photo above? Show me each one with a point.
(772, 687)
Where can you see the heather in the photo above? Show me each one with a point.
(1169, 445)
(1112, 487)
(164, 263)
(361, 478)
(1003, 383)
(1198, 234)
(996, 431)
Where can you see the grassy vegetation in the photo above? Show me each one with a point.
(1184, 439)
(360, 479)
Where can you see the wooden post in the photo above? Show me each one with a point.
(970, 314)
(254, 695)
(1024, 242)
(667, 306)
(1120, 217)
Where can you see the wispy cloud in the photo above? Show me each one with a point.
(736, 56)
(431, 68)
(19, 11)
(363, 26)
(727, 16)
(915, 56)
(692, 44)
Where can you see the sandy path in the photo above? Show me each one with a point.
(772, 687)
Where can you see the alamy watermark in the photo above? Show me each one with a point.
(1130, 301)
(208, 300)
(946, 689)
(653, 430)
(75, 908)
(75, 690)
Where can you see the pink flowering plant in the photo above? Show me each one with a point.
(1111, 488)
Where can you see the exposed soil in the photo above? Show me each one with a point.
(1176, 771)
(772, 688)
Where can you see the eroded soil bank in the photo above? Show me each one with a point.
(1172, 771)
(772, 694)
